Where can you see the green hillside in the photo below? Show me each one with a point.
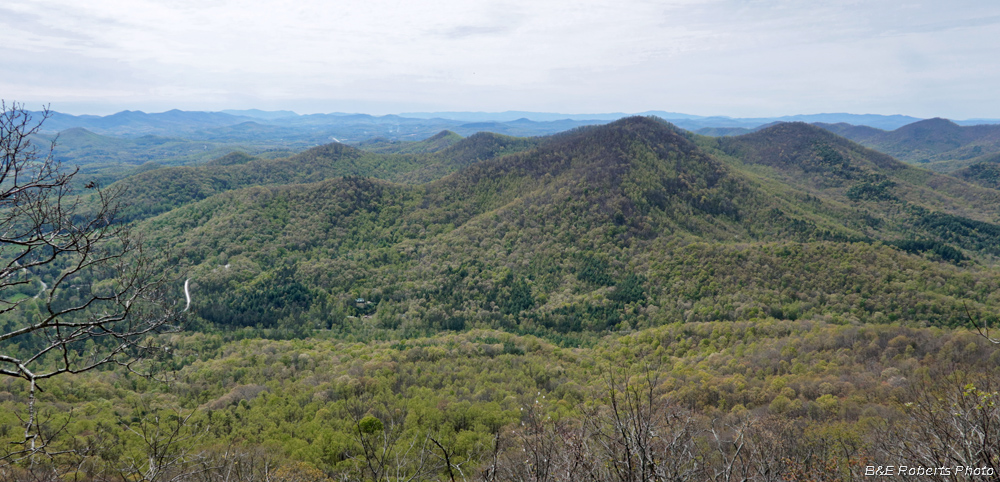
(936, 144)
(780, 305)
(434, 143)
(477, 147)
(616, 227)
(985, 173)
(807, 398)
(879, 196)
(156, 192)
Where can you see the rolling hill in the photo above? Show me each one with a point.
(622, 226)
(783, 303)
(152, 193)
(937, 144)
(985, 172)
(433, 143)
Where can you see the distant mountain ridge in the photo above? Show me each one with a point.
(418, 125)
(289, 128)
(261, 114)
(686, 121)
(937, 144)
(110, 145)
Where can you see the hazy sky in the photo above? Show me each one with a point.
(726, 57)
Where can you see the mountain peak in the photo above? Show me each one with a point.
(935, 123)
(798, 127)
(441, 135)
(806, 146)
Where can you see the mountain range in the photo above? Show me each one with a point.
(110, 145)
(491, 302)
(356, 127)
(311, 129)
(685, 121)
(937, 144)
(620, 226)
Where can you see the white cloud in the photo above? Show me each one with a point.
(736, 57)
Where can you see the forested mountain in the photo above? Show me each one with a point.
(723, 131)
(784, 301)
(168, 188)
(985, 173)
(937, 144)
(434, 143)
(108, 147)
(840, 171)
(154, 192)
(622, 226)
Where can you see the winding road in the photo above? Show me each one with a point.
(25, 271)
(44, 288)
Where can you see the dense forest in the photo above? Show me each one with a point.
(936, 144)
(629, 302)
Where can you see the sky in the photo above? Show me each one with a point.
(740, 58)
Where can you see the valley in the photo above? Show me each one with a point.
(482, 306)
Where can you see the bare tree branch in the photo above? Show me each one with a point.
(77, 289)
(982, 327)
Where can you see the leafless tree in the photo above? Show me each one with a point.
(729, 438)
(93, 296)
(768, 443)
(543, 448)
(238, 464)
(640, 433)
(388, 451)
(530, 451)
(164, 438)
(953, 421)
